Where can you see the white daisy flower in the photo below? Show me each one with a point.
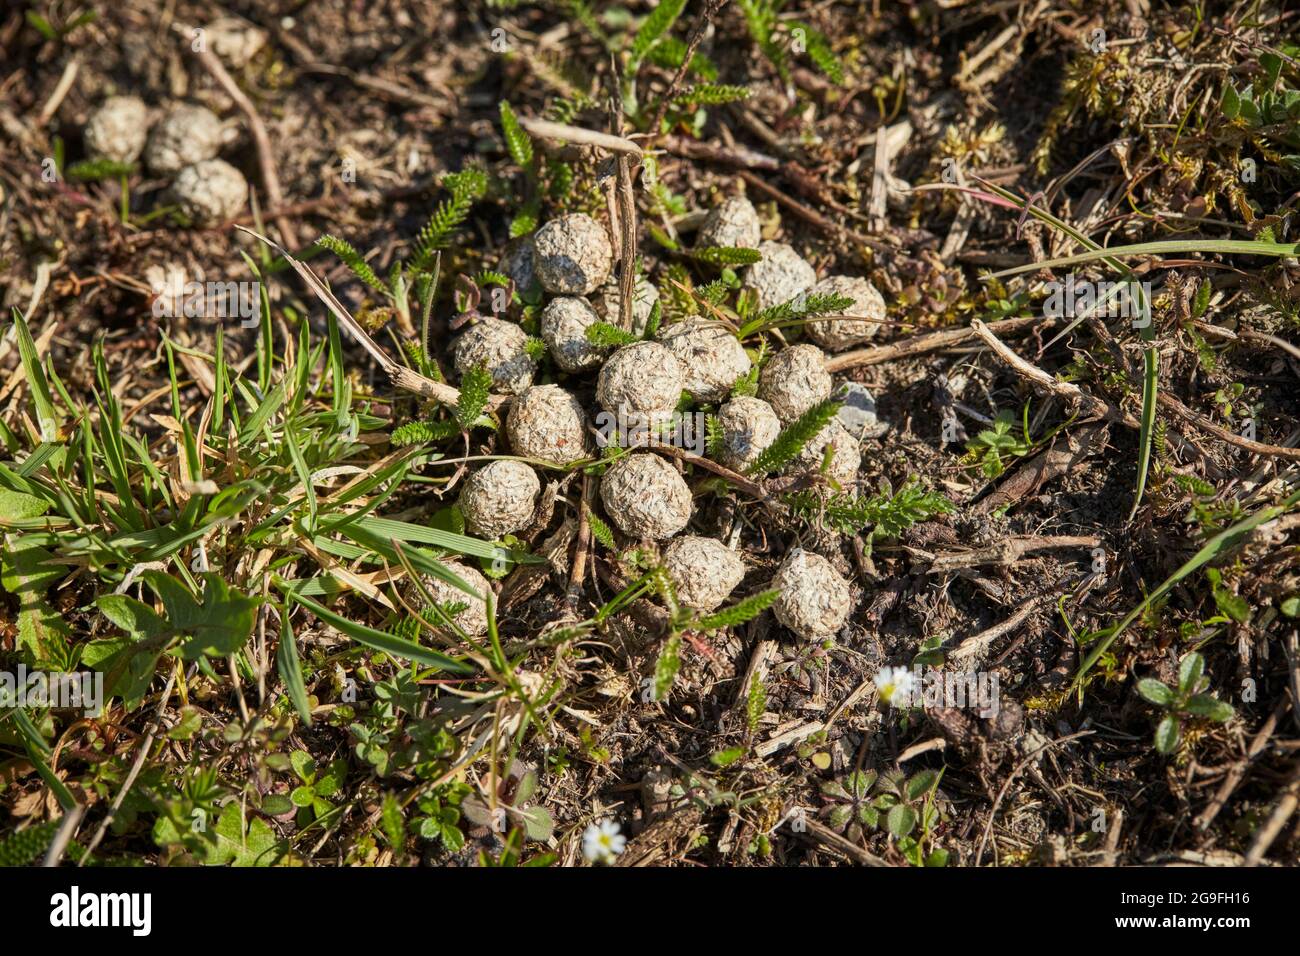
(895, 685)
(601, 842)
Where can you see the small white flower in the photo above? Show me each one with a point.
(895, 685)
(601, 842)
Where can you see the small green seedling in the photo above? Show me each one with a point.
(900, 805)
(311, 797)
(1184, 701)
(993, 447)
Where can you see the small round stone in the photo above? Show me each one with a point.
(748, 426)
(858, 413)
(500, 498)
(210, 192)
(642, 377)
(644, 296)
(572, 255)
(780, 276)
(117, 130)
(235, 40)
(564, 330)
(704, 571)
(645, 497)
(517, 263)
(734, 223)
(548, 424)
(814, 600)
(794, 380)
(711, 356)
(845, 461)
(188, 134)
(471, 619)
(501, 346)
(833, 332)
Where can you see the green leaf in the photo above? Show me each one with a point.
(740, 612)
(1157, 693)
(517, 140)
(475, 389)
(41, 25)
(233, 845)
(290, 669)
(42, 401)
(16, 506)
(900, 820)
(538, 824)
(128, 665)
(218, 627)
(467, 187)
(727, 255)
(655, 25)
(354, 261)
(667, 665)
(711, 94)
(859, 783)
(920, 783)
(419, 433)
(132, 616)
(1190, 671)
(1232, 605)
(393, 822)
(1272, 64)
(601, 531)
(27, 571)
(1230, 102)
(1165, 246)
(725, 758)
(1167, 734)
(1202, 301)
(609, 336)
(383, 641)
(1203, 705)
(27, 846)
(820, 52)
(794, 437)
(93, 170)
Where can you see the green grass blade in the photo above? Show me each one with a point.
(1150, 389)
(290, 668)
(380, 640)
(1220, 544)
(46, 416)
(1185, 246)
(391, 530)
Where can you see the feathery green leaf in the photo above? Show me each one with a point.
(794, 437)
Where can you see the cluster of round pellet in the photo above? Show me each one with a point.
(182, 146)
(566, 271)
